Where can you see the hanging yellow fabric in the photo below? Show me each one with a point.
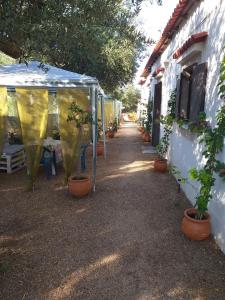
(71, 137)
(109, 112)
(3, 115)
(99, 111)
(32, 107)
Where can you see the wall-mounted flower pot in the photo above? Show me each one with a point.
(193, 228)
(160, 165)
(146, 137)
(79, 186)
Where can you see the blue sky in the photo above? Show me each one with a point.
(151, 21)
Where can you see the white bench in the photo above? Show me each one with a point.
(13, 158)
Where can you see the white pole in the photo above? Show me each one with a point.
(103, 123)
(94, 120)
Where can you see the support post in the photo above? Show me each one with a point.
(94, 122)
(103, 122)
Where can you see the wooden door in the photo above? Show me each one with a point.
(156, 114)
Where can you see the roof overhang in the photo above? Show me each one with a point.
(178, 16)
(35, 74)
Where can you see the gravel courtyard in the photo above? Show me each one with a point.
(123, 242)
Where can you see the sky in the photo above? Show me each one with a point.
(151, 21)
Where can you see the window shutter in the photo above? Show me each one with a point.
(198, 87)
(184, 96)
(177, 111)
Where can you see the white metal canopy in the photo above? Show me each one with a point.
(34, 74)
(37, 75)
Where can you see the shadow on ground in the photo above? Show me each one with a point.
(123, 242)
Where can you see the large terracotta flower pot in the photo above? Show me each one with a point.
(146, 137)
(79, 186)
(100, 148)
(195, 229)
(160, 165)
(110, 134)
(142, 130)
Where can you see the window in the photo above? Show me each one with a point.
(190, 99)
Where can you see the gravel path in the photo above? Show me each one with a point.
(123, 242)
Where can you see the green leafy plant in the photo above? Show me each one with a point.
(78, 115)
(213, 141)
(167, 121)
(148, 121)
(197, 126)
(115, 125)
(100, 129)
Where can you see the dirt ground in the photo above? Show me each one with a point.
(123, 242)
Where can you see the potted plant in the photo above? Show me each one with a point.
(79, 185)
(196, 221)
(100, 143)
(110, 131)
(160, 164)
(147, 131)
(115, 125)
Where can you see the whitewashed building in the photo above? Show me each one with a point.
(187, 57)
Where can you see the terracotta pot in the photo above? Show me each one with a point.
(100, 148)
(142, 130)
(195, 229)
(79, 186)
(160, 165)
(146, 137)
(110, 134)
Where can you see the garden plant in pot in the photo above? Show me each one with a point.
(147, 131)
(110, 131)
(100, 143)
(160, 164)
(196, 221)
(79, 185)
(148, 123)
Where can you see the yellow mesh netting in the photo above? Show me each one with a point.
(32, 107)
(99, 111)
(3, 115)
(109, 112)
(71, 137)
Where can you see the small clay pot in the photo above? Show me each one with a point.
(160, 165)
(142, 130)
(100, 148)
(194, 229)
(110, 134)
(146, 137)
(79, 186)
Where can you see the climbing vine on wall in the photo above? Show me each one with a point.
(167, 121)
(148, 121)
(213, 141)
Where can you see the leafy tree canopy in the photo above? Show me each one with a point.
(96, 37)
(129, 95)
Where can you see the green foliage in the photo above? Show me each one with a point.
(177, 173)
(148, 121)
(167, 121)
(129, 95)
(78, 115)
(5, 59)
(198, 126)
(95, 37)
(213, 141)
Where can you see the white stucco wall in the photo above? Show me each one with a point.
(185, 150)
